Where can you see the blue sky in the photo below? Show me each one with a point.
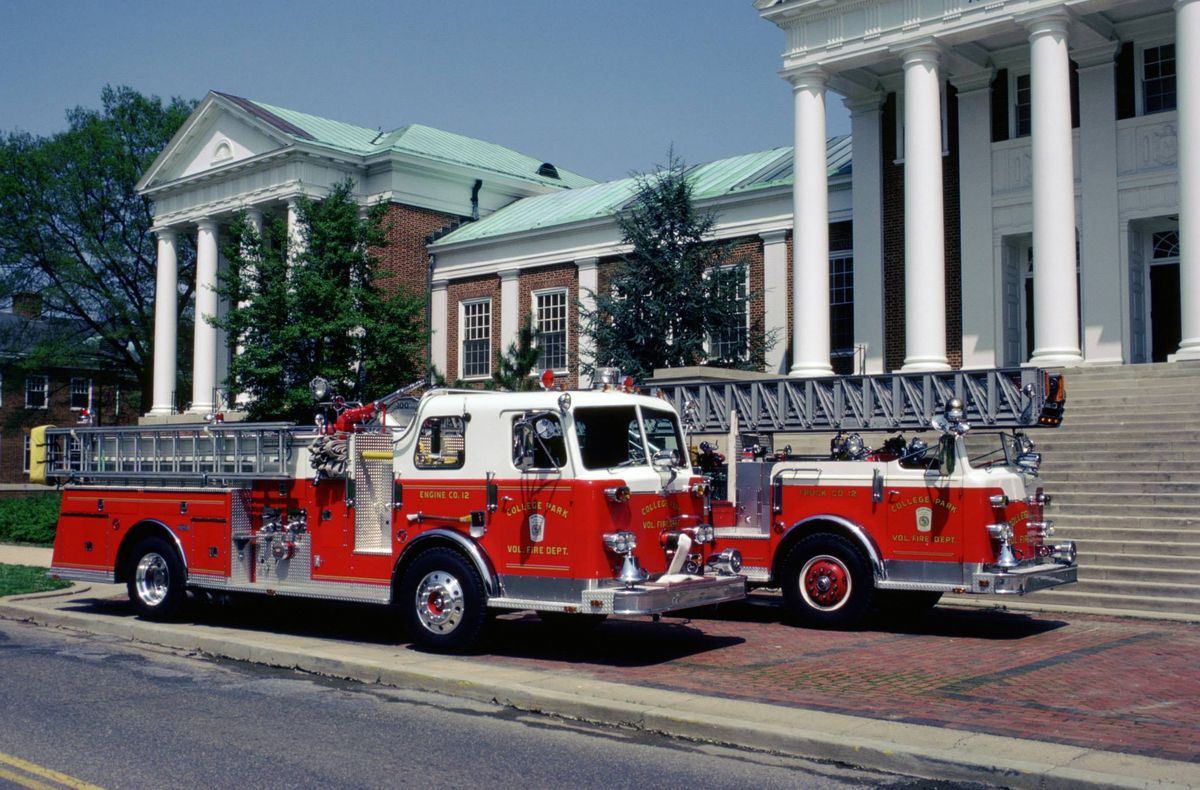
(600, 87)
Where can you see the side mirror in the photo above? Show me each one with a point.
(667, 458)
(1029, 462)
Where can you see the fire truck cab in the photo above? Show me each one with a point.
(579, 504)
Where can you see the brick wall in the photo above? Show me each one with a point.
(893, 239)
(16, 420)
(404, 261)
(562, 275)
(457, 291)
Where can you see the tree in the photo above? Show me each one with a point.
(513, 368)
(317, 308)
(74, 230)
(677, 298)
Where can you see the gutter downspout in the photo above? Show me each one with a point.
(429, 319)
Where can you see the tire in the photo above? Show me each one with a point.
(571, 623)
(827, 582)
(442, 602)
(156, 579)
(906, 603)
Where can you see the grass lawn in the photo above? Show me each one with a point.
(19, 579)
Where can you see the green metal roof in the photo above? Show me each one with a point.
(735, 175)
(413, 139)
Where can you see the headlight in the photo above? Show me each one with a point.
(700, 489)
(1065, 552)
(617, 494)
(998, 500)
(704, 534)
(727, 562)
(620, 542)
(1000, 531)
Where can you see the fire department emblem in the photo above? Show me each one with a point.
(924, 519)
(537, 527)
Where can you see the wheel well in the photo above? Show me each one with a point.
(827, 525)
(422, 545)
(136, 535)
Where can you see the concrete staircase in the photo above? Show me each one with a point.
(1123, 472)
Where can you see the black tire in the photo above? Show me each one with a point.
(906, 603)
(568, 623)
(443, 602)
(156, 579)
(827, 582)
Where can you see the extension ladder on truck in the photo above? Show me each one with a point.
(1003, 398)
(169, 455)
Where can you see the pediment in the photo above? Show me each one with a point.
(215, 136)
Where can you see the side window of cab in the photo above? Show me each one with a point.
(538, 442)
(441, 443)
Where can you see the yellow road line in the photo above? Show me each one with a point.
(37, 770)
(25, 781)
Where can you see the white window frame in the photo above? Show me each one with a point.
(28, 453)
(45, 389)
(1013, 74)
(842, 255)
(1139, 74)
(462, 339)
(710, 340)
(536, 314)
(900, 140)
(71, 394)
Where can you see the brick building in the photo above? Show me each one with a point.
(985, 136)
(33, 394)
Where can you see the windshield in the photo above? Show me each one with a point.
(991, 449)
(609, 436)
(662, 433)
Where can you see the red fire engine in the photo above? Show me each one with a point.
(581, 504)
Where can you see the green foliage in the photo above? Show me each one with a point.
(29, 519)
(317, 306)
(74, 230)
(676, 293)
(515, 366)
(22, 579)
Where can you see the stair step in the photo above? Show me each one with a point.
(1107, 477)
(1066, 596)
(1119, 487)
(1135, 560)
(1132, 510)
(1189, 549)
(1080, 534)
(1139, 572)
(1075, 497)
(1146, 587)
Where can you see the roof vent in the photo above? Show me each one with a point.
(548, 170)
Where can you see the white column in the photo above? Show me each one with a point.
(589, 284)
(438, 324)
(1100, 230)
(1056, 314)
(924, 228)
(866, 115)
(775, 296)
(204, 358)
(981, 320)
(295, 235)
(166, 323)
(1187, 69)
(510, 323)
(255, 219)
(810, 236)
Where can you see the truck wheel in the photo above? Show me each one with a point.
(442, 601)
(906, 603)
(827, 582)
(156, 579)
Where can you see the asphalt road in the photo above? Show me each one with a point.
(84, 709)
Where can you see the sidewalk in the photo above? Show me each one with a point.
(1023, 700)
(13, 554)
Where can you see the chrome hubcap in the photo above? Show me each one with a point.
(152, 579)
(439, 602)
(825, 583)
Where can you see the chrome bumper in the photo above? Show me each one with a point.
(656, 597)
(1019, 581)
(81, 575)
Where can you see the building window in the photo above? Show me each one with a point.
(550, 321)
(841, 311)
(81, 394)
(734, 345)
(1165, 244)
(1158, 79)
(35, 392)
(25, 463)
(475, 319)
(1022, 106)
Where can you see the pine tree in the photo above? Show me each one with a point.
(515, 366)
(676, 299)
(317, 308)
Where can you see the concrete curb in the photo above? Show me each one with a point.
(890, 746)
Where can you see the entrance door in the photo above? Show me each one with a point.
(1165, 328)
